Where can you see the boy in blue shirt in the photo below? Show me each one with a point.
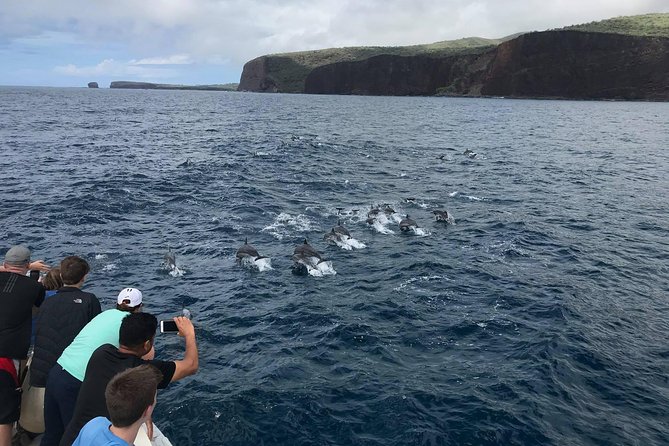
(130, 398)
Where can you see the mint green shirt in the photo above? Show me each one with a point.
(102, 329)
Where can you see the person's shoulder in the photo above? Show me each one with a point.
(105, 349)
(24, 282)
(99, 422)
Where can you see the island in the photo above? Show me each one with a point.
(92, 85)
(152, 86)
(624, 58)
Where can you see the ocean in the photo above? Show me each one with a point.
(538, 315)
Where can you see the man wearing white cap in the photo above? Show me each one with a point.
(68, 373)
(18, 294)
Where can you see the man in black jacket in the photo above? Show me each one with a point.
(60, 320)
(18, 294)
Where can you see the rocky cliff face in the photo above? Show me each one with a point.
(558, 64)
(402, 76)
(257, 77)
(574, 64)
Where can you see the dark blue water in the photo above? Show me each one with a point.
(540, 317)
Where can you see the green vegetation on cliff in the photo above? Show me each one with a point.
(648, 25)
(291, 69)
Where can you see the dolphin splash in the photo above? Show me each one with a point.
(248, 255)
(306, 260)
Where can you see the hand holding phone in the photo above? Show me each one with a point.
(168, 327)
(179, 324)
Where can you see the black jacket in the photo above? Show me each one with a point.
(59, 321)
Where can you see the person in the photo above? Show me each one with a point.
(136, 338)
(18, 294)
(71, 365)
(130, 398)
(60, 320)
(51, 283)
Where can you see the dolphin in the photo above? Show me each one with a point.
(372, 214)
(388, 210)
(303, 256)
(470, 153)
(407, 224)
(306, 252)
(247, 251)
(338, 232)
(441, 215)
(170, 259)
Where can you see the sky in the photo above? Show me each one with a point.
(73, 42)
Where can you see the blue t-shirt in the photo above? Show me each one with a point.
(97, 433)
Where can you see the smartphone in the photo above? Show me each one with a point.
(34, 274)
(168, 327)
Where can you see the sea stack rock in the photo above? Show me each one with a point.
(92, 85)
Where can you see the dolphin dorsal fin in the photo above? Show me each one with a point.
(306, 242)
(246, 240)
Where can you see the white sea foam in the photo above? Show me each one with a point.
(421, 232)
(408, 282)
(264, 264)
(109, 267)
(100, 256)
(349, 243)
(176, 271)
(285, 225)
(453, 194)
(321, 269)
(381, 228)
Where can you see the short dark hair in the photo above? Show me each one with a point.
(73, 269)
(130, 392)
(136, 329)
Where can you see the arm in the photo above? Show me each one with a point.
(39, 265)
(188, 365)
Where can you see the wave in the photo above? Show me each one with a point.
(285, 225)
(264, 264)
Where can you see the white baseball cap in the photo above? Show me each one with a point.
(130, 296)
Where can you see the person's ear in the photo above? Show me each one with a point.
(149, 410)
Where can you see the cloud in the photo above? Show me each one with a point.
(151, 39)
(238, 30)
(175, 59)
(114, 68)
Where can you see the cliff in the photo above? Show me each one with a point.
(551, 64)
(622, 58)
(152, 86)
(287, 73)
(576, 64)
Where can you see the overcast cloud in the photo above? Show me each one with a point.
(46, 42)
